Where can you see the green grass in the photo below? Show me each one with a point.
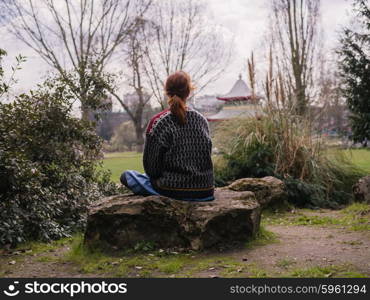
(285, 263)
(360, 157)
(46, 259)
(262, 237)
(171, 267)
(353, 217)
(37, 247)
(118, 162)
(357, 216)
(356, 209)
(123, 264)
(159, 263)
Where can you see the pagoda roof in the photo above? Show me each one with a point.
(239, 92)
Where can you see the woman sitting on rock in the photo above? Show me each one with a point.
(177, 153)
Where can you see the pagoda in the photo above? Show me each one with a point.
(240, 102)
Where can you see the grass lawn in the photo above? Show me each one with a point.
(118, 162)
(360, 157)
(121, 161)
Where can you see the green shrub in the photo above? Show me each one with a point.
(48, 162)
(282, 145)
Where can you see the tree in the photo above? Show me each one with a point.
(330, 112)
(75, 36)
(137, 102)
(355, 70)
(179, 36)
(174, 35)
(294, 35)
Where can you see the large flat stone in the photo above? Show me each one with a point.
(123, 221)
(269, 190)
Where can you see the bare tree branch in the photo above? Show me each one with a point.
(179, 36)
(295, 40)
(77, 36)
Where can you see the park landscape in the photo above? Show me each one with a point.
(62, 150)
(291, 243)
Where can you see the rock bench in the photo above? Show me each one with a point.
(123, 221)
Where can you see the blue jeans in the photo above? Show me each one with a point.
(140, 184)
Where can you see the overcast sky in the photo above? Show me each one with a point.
(244, 19)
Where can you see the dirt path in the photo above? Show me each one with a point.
(304, 246)
(45, 264)
(297, 247)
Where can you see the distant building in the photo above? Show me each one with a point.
(109, 120)
(239, 102)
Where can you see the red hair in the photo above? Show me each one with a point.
(178, 87)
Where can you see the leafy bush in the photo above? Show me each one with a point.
(282, 145)
(48, 163)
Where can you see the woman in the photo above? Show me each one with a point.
(177, 153)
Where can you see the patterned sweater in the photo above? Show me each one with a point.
(177, 158)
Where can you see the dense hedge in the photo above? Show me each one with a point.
(48, 163)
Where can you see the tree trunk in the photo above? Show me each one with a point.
(139, 137)
(301, 100)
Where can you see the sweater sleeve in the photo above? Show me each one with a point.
(156, 145)
(207, 134)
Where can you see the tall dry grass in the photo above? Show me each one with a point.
(280, 143)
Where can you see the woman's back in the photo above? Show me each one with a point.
(177, 157)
